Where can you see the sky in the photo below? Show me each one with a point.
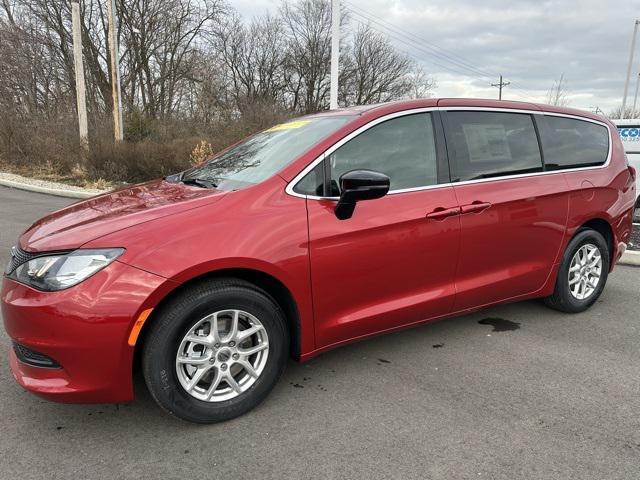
(464, 45)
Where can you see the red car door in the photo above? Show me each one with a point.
(393, 262)
(513, 215)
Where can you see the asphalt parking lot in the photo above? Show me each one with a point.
(514, 392)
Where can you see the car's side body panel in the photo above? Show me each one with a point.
(399, 265)
(260, 228)
(606, 193)
(508, 249)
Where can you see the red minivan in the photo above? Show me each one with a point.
(314, 233)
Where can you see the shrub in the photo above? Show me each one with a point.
(49, 147)
(135, 162)
(200, 152)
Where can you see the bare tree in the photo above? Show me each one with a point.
(308, 26)
(254, 59)
(422, 85)
(616, 113)
(162, 48)
(374, 71)
(558, 94)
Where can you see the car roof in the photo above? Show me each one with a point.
(379, 109)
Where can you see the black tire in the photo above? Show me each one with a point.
(562, 298)
(174, 320)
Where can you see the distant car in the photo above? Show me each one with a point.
(318, 232)
(629, 130)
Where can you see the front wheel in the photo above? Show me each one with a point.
(583, 273)
(215, 351)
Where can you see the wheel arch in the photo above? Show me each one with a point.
(604, 228)
(271, 285)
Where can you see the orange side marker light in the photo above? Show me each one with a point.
(137, 326)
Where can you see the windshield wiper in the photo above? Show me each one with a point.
(199, 182)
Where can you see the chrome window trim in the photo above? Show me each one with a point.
(291, 185)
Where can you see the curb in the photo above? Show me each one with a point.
(59, 192)
(630, 257)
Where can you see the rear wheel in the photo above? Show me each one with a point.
(215, 351)
(583, 273)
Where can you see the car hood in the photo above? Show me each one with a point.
(90, 219)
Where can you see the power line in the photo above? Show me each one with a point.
(456, 71)
(448, 55)
(430, 46)
(432, 49)
(500, 86)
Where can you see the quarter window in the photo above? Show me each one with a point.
(573, 143)
(492, 144)
(312, 183)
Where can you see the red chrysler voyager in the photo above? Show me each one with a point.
(317, 232)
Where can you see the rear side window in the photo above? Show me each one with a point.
(492, 144)
(573, 143)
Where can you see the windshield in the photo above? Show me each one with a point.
(260, 156)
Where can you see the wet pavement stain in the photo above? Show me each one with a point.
(500, 324)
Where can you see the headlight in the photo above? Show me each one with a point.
(60, 271)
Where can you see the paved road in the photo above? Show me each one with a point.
(559, 398)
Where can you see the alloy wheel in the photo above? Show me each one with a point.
(222, 355)
(585, 271)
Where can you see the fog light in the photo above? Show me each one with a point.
(33, 358)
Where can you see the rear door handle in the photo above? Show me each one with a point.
(475, 207)
(441, 213)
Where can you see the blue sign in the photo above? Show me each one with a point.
(629, 134)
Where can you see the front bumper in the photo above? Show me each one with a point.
(84, 329)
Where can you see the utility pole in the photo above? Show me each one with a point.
(629, 66)
(635, 98)
(500, 85)
(335, 53)
(81, 100)
(115, 72)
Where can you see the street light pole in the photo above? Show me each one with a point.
(335, 53)
(115, 73)
(635, 97)
(629, 66)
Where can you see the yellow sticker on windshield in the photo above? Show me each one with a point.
(289, 125)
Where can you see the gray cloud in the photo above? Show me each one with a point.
(530, 42)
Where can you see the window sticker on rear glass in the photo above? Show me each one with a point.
(486, 142)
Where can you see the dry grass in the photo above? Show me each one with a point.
(49, 148)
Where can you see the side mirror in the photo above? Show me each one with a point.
(358, 185)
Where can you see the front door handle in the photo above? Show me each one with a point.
(441, 213)
(475, 207)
